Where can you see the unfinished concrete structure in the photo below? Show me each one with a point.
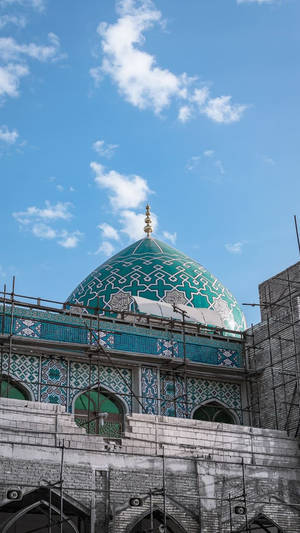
(141, 405)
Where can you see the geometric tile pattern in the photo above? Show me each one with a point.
(173, 396)
(24, 368)
(201, 390)
(151, 269)
(27, 328)
(127, 338)
(57, 386)
(83, 375)
(228, 358)
(54, 381)
(105, 339)
(167, 348)
(149, 390)
(172, 392)
(198, 391)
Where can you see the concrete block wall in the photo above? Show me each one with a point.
(203, 465)
(278, 295)
(273, 354)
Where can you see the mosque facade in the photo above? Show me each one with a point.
(140, 404)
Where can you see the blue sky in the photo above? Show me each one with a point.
(192, 106)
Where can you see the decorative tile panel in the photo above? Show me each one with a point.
(23, 368)
(167, 348)
(27, 328)
(173, 399)
(54, 381)
(228, 358)
(202, 390)
(106, 339)
(83, 375)
(150, 390)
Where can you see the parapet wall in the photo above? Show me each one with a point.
(202, 464)
(49, 425)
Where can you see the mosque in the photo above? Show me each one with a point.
(144, 404)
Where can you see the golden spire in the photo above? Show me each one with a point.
(148, 228)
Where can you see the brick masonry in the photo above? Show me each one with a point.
(203, 465)
(273, 354)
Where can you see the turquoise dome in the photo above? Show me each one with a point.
(154, 270)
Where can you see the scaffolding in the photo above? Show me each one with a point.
(90, 349)
(272, 356)
(281, 369)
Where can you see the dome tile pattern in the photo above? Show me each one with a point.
(152, 269)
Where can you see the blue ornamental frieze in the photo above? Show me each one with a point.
(128, 338)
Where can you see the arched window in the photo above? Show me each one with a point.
(100, 413)
(156, 523)
(214, 412)
(11, 389)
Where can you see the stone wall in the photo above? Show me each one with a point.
(201, 463)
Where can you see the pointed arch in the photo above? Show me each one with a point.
(37, 507)
(143, 523)
(261, 524)
(214, 410)
(11, 387)
(100, 411)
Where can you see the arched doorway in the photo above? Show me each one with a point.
(10, 388)
(156, 524)
(261, 524)
(39, 509)
(214, 412)
(100, 412)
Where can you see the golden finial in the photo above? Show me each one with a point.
(148, 228)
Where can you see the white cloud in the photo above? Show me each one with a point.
(97, 75)
(185, 113)
(10, 50)
(220, 110)
(208, 153)
(13, 56)
(60, 188)
(220, 167)
(43, 231)
(235, 248)
(7, 136)
(106, 248)
(138, 77)
(133, 224)
(108, 232)
(170, 236)
(10, 76)
(59, 211)
(17, 20)
(36, 220)
(193, 162)
(39, 5)
(127, 192)
(103, 149)
(69, 240)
